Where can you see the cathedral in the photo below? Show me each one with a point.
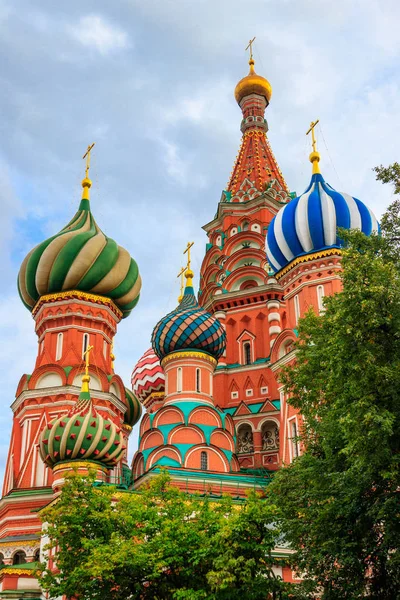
(207, 391)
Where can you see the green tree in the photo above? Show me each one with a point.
(339, 501)
(159, 543)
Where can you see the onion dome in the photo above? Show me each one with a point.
(133, 408)
(189, 327)
(253, 84)
(148, 376)
(309, 223)
(80, 257)
(82, 434)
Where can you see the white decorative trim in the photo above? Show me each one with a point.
(275, 329)
(64, 389)
(274, 316)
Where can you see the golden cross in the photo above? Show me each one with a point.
(250, 47)
(180, 274)
(86, 356)
(87, 156)
(314, 143)
(189, 245)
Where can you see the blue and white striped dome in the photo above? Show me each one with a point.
(309, 223)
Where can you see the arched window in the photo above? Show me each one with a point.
(320, 296)
(204, 461)
(104, 348)
(179, 379)
(19, 558)
(211, 384)
(245, 226)
(85, 343)
(295, 441)
(1, 559)
(198, 380)
(247, 353)
(245, 442)
(36, 556)
(270, 436)
(296, 309)
(59, 347)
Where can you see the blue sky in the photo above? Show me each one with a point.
(152, 84)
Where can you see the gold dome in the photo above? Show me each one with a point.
(253, 84)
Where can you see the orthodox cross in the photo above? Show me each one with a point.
(250, 47)
(312, 126)
(180, 274)
(189, 245)
(87, 156)
(86, 356)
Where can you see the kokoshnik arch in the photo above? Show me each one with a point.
(214, 414)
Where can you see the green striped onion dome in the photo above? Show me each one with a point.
(80, 257)
(133, 410)
(82, 434)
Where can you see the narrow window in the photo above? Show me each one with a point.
(59, 346)
(245, 226)
(19, 558)
(295, 445)
(203, 461)
(198, 380)
(296, 309)
(179, 379)
(247, 353)
(105, 349)
(320, 296)
(85, 343)
(211, 384)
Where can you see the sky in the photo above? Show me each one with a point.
(151, 82)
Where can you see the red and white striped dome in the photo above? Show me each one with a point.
(147, 376)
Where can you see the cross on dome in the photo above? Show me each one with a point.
(314, 156)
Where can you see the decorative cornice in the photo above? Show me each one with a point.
(12, 571)
(20, 543)
(189, 354)
(306, 258)
(80, 296)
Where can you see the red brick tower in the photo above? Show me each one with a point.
(78, 285)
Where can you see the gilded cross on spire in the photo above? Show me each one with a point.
(314, 156)
(86, 377)
(86, 183)
(189, 272)
(180, 274)
(250, 47)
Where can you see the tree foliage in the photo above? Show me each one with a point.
(159, 544)
(339, 502)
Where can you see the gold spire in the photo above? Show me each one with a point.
(314, 156)
(86, 183)
(86, 377)
(189, 273)
(252, 83)
(180, 274)
(112, 355)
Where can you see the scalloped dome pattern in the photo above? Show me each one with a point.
(148, 376)
(80, 257)
(189, 327)
(82, 434)
(309, 223)
(134, 408)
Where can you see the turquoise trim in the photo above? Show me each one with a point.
(166, 461)
(254, 408)
(277, 404)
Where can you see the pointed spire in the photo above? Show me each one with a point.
(86, 182)
(314, 156)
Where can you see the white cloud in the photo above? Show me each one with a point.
(93, 31)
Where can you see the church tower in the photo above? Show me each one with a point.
(79, 284)
(236, 282)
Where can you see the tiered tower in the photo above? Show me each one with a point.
(78, 285)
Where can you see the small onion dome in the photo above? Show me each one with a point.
(189, 327)
(81, 434)
(80, 257)
(133, 408)
(309, 223)
(253, 84)
(148, 376)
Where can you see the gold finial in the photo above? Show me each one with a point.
(251, 59)
(86, 183)
(180, 274)
(112, 355)
(314, 156)
(189, 273)
(86, 377)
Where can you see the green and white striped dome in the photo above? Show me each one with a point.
(82, 434)
(80, 257)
